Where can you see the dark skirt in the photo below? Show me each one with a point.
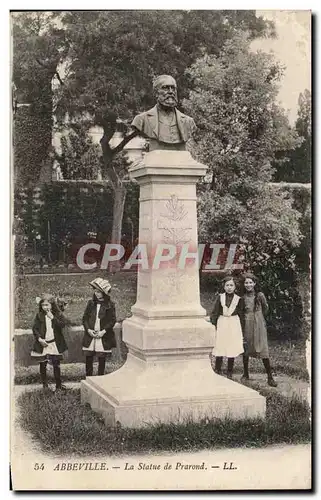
(255, 335)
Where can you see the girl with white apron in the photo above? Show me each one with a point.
(227, 316)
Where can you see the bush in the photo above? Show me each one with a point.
(241, 132)
(301, 195)
(74, 210)
(279, 281)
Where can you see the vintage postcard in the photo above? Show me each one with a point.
(161, 191)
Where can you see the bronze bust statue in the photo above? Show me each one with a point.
(164, 125)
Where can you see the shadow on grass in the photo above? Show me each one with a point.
(64, 426)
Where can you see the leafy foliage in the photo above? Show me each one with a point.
(109, 59)
(38, 47)
(240, 127)
(121, 51)
(241, 131)
(74, 211)
(298, 168)
(80, 157)
(267, 216)
(30, 153)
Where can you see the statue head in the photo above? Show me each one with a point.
(165, 90)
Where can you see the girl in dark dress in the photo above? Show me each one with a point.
(49, 343)
(227, 317)
(255, 332)
(98, 320)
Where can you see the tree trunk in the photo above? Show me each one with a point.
(118, 213)
(32, 134)
(112, 171)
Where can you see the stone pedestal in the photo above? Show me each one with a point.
(167, 376)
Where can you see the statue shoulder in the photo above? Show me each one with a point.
(191, 122)
(142, 121)
(142, 116)
(188, 120)
(139, 120)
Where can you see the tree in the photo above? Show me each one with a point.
(241, 130)
(298, 167)
(240, 127)
(80, 157)
(113, 57)
(38, 48)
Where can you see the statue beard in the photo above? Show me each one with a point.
(168, 101)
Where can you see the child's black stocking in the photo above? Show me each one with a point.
(218, 364)
(43, 373)
(230, 365)
(89, 365)
(245, 367)
(101, 366)
(56, 370)
(267, 366)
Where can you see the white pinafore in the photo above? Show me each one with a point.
(228, 336)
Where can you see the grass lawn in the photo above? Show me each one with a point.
(64, 426)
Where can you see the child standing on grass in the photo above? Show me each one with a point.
(98, 320)
(255, 333)
(49, 342)
(227, 316)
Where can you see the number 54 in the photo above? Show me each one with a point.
(39, 467)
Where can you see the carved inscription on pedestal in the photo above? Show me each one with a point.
(176, 230)
(174, 222)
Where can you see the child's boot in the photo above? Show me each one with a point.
(271, 382)
(43, 374)
(56, 370)
(101, 365)
(89, 366)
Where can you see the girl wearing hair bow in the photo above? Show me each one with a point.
(98, 320)
(49, 343)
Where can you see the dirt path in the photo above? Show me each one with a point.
(287, 386)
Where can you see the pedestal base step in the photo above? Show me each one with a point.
(141, 394)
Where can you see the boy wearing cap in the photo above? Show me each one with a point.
(98, 320)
